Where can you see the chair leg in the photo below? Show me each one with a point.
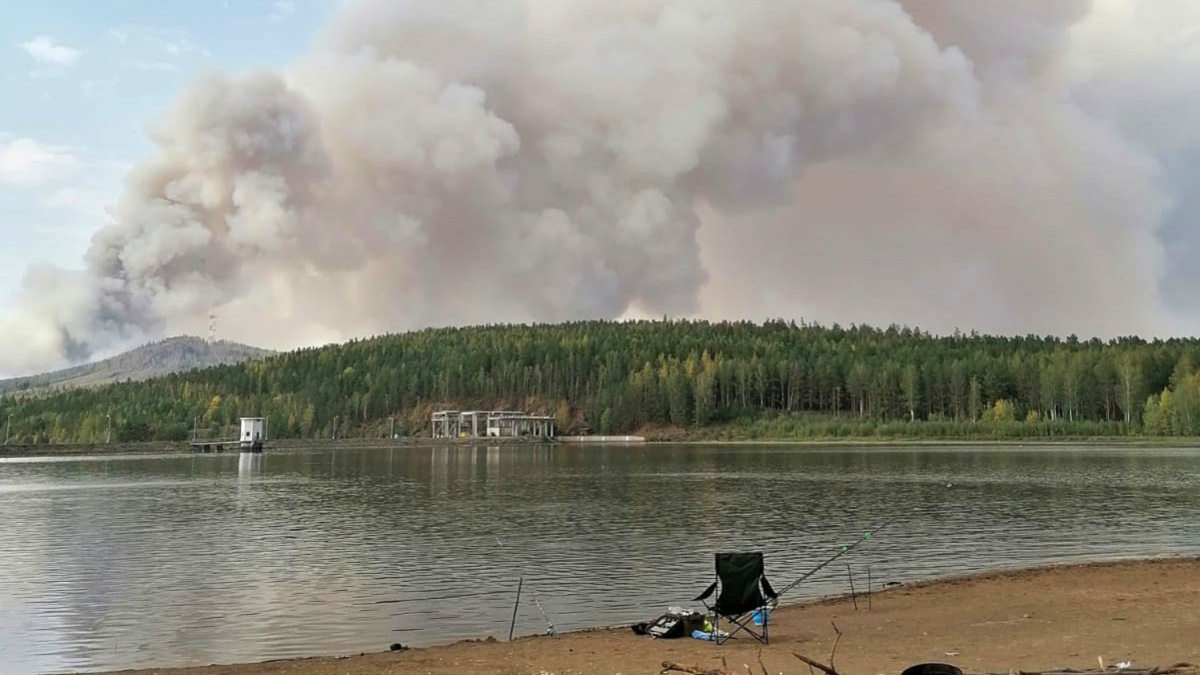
(745, 624)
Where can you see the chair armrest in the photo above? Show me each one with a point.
(706, 593)
(768, 590)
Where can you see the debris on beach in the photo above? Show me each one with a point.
(1181, 668)
(1123, 667)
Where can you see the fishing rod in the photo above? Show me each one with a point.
(549, 624)
(844, 550)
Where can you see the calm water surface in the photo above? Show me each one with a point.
(124, 562)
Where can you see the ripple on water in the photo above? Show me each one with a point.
(121, 562)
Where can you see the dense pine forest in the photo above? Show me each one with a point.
(665, 378)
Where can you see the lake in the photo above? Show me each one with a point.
(171, 560)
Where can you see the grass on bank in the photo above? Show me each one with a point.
(814, 427)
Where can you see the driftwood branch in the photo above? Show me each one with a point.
(836, 640)
(816, 664)
(827, 669)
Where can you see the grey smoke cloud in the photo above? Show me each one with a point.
(934, 162)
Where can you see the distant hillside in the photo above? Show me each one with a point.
(738, 380)
(173, 355)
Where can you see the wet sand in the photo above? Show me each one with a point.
(1147, 612)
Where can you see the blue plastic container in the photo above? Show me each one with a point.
(762, 615)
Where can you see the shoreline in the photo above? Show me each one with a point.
(1113, 441)
(182, 447)
(1057, 615)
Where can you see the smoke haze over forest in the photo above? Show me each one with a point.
(1009, 166)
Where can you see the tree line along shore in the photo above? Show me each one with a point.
(667, 380)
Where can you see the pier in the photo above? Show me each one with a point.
(212, 444)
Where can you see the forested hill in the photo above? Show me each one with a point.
(173, 355)
(789, 379)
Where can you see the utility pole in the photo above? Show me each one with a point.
(392, 432)
(334, 435)
(8, 429)
(108, 433)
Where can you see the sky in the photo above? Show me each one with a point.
(85, 81)
(319, 170)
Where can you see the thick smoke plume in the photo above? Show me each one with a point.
(938, 162)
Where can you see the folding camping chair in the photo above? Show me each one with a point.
(745, 591)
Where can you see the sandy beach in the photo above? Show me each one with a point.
(1147, 612)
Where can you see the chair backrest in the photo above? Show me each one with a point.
(741, 576)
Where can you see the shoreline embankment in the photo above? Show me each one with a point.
(182, 447)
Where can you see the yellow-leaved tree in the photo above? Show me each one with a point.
(1003, 411)
(213, 406)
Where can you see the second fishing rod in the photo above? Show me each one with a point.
(867, 536)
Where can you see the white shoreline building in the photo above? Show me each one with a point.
(490, 424)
